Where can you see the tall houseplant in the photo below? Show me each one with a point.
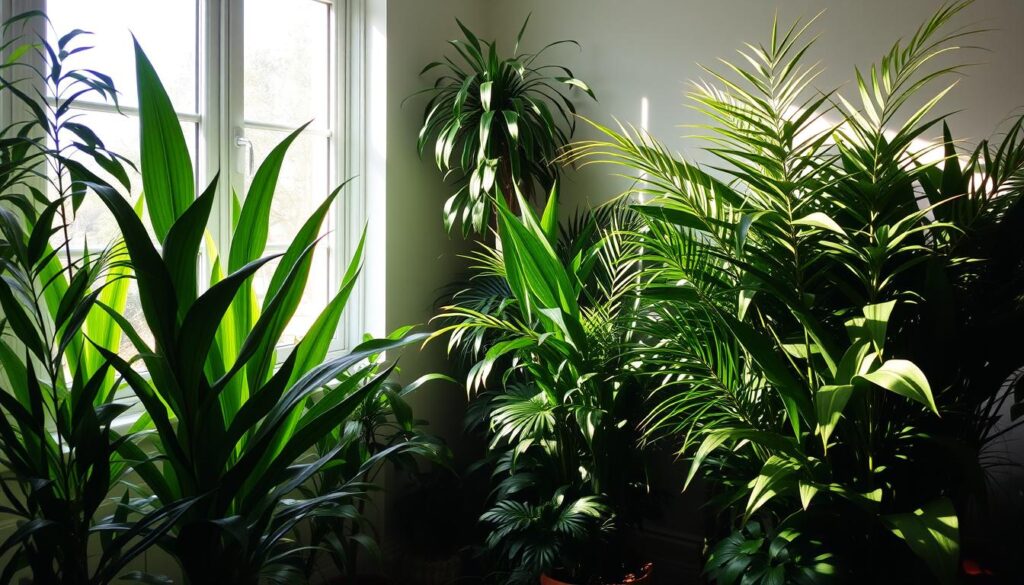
(564, 410)
(783, 292)
(232, 427)
(58, 448)
(497, 125)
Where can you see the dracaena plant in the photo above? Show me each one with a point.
(782, 292)
(57, 446)
(233, 428)
(564, 412)
(496, 124)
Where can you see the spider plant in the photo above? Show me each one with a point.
(497, 124)
(564, 419)
(779, 288)
(233, 428)
(57, 395)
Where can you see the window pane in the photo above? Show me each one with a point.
(133, 312)
(302, 185)
(166, 30)
(121, 135)
(301, 188)
(287, 57)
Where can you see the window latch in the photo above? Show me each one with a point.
(243, 142)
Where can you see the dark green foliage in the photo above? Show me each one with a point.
(754, 554)
(58, 450)
(235, 437)
(233, 431)
(787, 294)
(564, 405)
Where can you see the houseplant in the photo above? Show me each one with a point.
(564, 413)
(783, 291)
(496, 124)
(58, 447)
(232, 428)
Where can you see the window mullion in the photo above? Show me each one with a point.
(223, 106)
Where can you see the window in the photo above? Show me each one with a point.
(287, 85)
(238, 91)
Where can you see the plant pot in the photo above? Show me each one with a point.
(642, 578)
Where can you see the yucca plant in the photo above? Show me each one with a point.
(497, 124)
(782, 290)
(57, 395)
(234, 429)
(564, 413)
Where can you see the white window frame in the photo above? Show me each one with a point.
(358, 87)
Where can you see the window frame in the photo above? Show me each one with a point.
(220, 30)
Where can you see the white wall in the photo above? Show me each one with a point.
(635, 49)
(421, 257)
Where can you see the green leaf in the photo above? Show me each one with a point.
(807, 493)
(711, 442)
(534, 272)
(181, 247)
(933, 533)
(485, 95)
(167, 180)
(765, 353)
(876, 321)
(485, 136)
(673, 215)
(952, 175)
(156, 286)
(549, 220)
(821, 221)
(903, 378)
(577, 83)
(716, 438)
(250, 236)
(830, 402)
(317, 341)
(773, 479)
(512, 123)
(298, 258)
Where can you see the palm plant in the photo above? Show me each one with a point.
(496, 124)
(778, 290)
(564, 423)
(57, 395)
(233, 428)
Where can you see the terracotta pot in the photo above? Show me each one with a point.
(644, 578)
